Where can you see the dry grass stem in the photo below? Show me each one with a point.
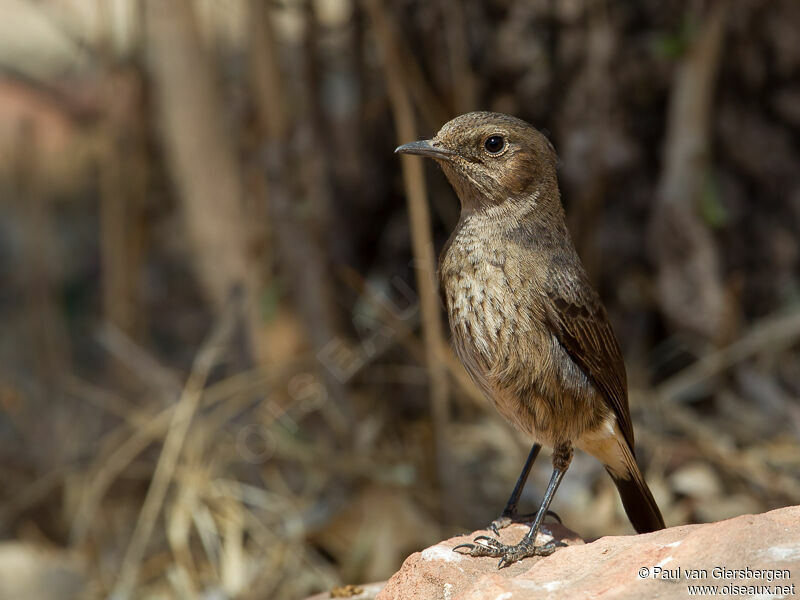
(185, 408)
(425, 261)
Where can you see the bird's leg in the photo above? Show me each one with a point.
(486, 546)
(511, 513)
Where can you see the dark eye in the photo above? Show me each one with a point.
(494, 144)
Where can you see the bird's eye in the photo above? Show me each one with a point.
(494, 144)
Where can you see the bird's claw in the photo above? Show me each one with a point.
(485, 546)
(500, 522)
(482, 545)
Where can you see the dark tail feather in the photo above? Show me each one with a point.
(640, 506)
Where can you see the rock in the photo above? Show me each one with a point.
(368, 591)
(438, 572)
(758, 553)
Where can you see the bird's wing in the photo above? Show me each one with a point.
(579, 321)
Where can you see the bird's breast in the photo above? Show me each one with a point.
(491, 291)
(484, 290)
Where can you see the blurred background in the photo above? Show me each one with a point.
(224, 366)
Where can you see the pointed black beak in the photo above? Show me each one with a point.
(424, 148)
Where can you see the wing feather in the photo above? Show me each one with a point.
(579, 321)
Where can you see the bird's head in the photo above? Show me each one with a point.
(491, 158)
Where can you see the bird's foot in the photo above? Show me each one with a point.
(507, 518)
(486, 546)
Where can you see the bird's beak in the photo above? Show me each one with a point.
(424, 148)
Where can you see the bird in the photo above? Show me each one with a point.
(525, 321)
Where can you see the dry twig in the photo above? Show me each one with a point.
(425, 262)
(689, 283)
(772, 333)
(203, 161)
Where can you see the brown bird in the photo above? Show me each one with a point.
(526, 323)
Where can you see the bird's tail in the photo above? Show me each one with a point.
(638, 501)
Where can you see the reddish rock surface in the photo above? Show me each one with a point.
(656, 565)
(368, 591)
